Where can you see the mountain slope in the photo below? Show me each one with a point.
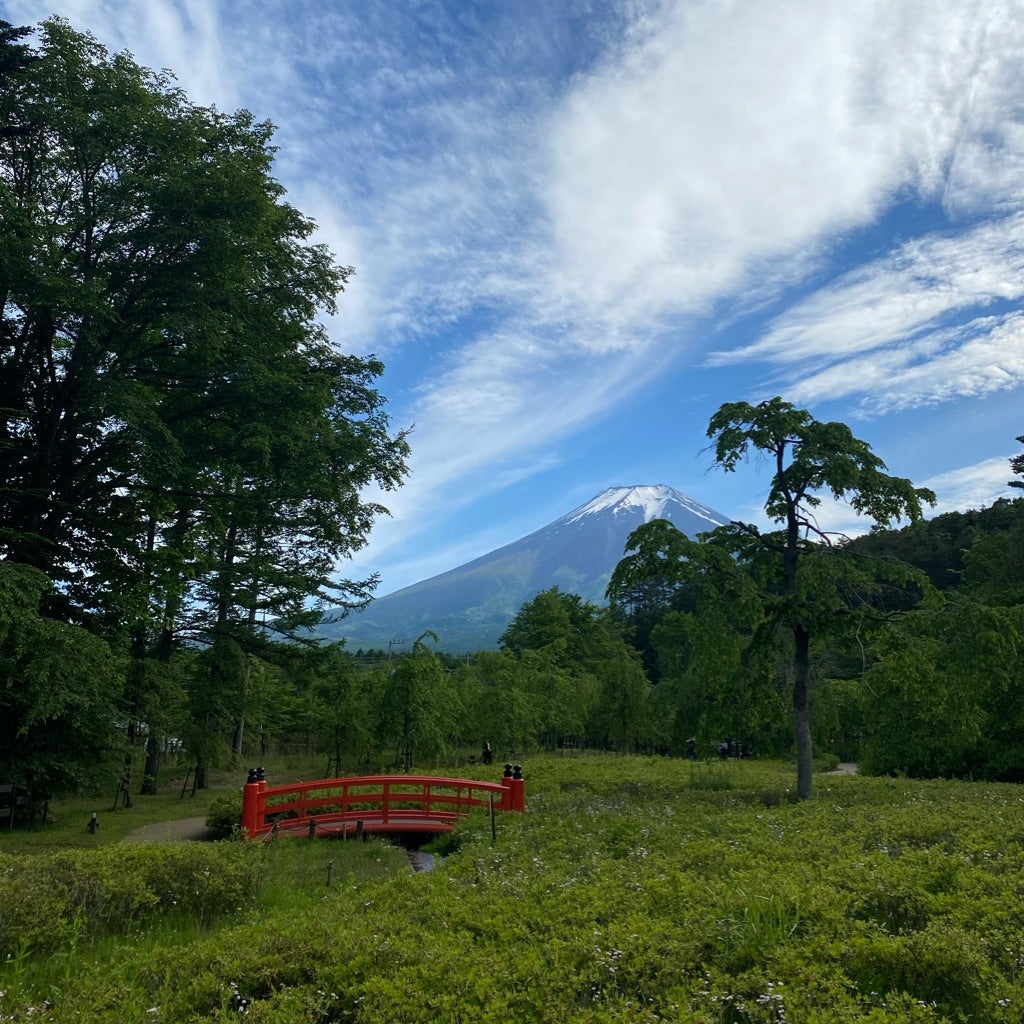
(470, 606)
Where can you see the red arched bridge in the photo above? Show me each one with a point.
(372, 803)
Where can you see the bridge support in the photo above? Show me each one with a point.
(514, 795)
(254, 786)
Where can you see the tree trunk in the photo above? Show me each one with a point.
(152, 769)
(801, 712)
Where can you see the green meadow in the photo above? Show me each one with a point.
(633, 889)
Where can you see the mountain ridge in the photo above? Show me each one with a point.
(469, 606)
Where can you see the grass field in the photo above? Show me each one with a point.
(633, 889)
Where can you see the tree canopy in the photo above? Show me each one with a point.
(807, 457)
(182, 450)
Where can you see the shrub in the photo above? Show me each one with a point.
(47, 902)
(224, 816)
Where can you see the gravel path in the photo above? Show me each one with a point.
(181, 831)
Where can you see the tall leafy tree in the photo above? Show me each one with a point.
(508, 714)
(946, 695)
(808, 458)
(720, 683)
(419, 708)
(181, 448)
(164, 372)
(1017, 466)
(590, 679)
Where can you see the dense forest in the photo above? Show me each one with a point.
(183, 458)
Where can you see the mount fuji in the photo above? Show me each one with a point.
(469, 607)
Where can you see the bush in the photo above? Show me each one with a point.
(224, 816)
(48, 902)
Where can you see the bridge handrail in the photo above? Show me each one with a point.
(396, 798)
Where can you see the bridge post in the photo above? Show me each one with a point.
(517, 789)
(251, 804)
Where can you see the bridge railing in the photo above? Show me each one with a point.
(381, 803)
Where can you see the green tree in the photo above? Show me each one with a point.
(721, 683)
(807, 457)
(59, 692)
(346, 726)
(510, 717)
(618, 718)
(419, 710)
(945, 696)
(1017, 466)
(181, 449)
(589, 678)
(549, 617)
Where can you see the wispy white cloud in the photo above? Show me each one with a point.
(974, 360)
(533, 246)
(714, 145)
(897, 297)
(184, 37)
(733, 135)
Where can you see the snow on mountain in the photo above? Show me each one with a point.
(654, 502)
(469, 607)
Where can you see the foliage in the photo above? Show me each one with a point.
(940, 546)
(1017, 466)
(580, 676)
(59, 692)
(418, 706)
(182, 450)
(945, 695)
(552, 617)
(622, 895)
(994, 564)
(48, 901)
(798, 586)
(223, 815)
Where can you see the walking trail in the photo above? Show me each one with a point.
(182, 830)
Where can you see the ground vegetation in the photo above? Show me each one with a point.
(633, 889)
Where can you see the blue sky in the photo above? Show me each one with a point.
(579, 226)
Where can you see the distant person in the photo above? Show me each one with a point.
(488, 755)
(691, 749)
(723, 749)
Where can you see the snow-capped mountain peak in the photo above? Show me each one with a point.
(652, 501)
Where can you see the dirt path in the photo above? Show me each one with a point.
(181, 831)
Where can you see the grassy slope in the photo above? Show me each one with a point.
(632, 890)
